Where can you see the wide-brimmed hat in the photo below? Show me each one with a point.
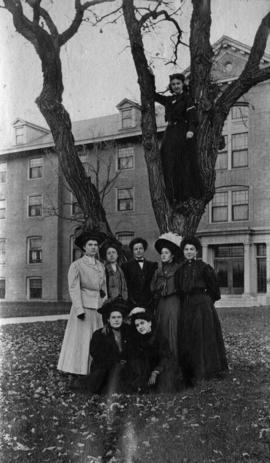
(117, 304)
(136, 241)
(83, 237)
(191, 240)
(169, 240)
(109, 244)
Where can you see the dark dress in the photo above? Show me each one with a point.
(139, 281)
(109, 360)
(202, 351)
(179, 154)
(168, 304)
(148, 353)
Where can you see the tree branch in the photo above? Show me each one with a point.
(252, 74)
(80, 9)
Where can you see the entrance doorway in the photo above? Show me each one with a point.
(229, 266)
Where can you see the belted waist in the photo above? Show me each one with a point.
(182, 122)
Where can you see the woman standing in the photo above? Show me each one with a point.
(178, 149)
(202, 351)
(116, 283)
(87, 288)
(165, 292)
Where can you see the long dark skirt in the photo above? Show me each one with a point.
(180, 165)
(168, 320)
(202, 351)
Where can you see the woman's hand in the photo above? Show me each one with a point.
(189, 135)
(153, 378)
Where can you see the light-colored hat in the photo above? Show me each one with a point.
(136, 310)
(170, 240)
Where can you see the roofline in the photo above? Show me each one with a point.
(84, 141)
(30, 124)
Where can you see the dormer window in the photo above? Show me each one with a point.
(19, 135)
(127, 118)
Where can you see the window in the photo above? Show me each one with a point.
(261, 267)
(19, 135)
(35, 206)
(220, 207)
(3, 208)
(222, 156)
(127, 119)
(2, 288)
(76, 253)
(229, 266)
(3, 172)
(2, 250)
(240, 112)
(125, 159)
(240, 150)
(125, 237)
(125, 199)
(34, 250)
(34, 288)
(240, 205)
(35, 168)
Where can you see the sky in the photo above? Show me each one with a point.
(98, 71)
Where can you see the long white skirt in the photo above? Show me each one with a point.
(75, 352)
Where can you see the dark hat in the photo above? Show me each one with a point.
(109, 244)
(177, 76)
(169, 240)
(142, 316)
(117, 304)
(191, 240)
(83, 237)
(136, 241)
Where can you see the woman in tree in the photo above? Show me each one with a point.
(202, 351)
(87, 288)
(178, 149)
(150, 363)
(116, 283)
(164, 290)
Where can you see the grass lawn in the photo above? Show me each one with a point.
(219, 421)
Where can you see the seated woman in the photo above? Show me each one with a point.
(150, 367)
(108, 349)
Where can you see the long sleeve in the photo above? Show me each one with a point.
(75, 289)
(162, 99)
(211, 283)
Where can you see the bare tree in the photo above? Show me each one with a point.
(213, 104)
(43, 34)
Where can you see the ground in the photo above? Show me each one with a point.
(218, 421)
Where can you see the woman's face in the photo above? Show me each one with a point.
(111, 255)
(91, 248)
(166, 255)
(176, 86)
(143, 326)
(190, 252)
(115, 320)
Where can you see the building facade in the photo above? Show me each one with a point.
(38, 213)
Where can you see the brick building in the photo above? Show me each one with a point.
(38, 213)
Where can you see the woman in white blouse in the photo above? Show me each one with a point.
(87, 288)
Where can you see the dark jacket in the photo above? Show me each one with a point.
(108, 360)
(139, 281)
(179, 108)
